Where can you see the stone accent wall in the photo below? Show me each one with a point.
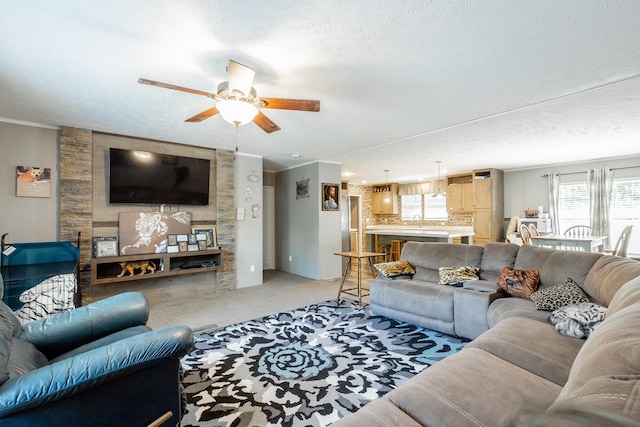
(76, 206)
(75, 201)
(226, 221)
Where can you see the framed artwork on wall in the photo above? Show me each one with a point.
(302, 189)
(33, 181)
(330, 197)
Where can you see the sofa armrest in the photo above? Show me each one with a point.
(76, 374)
(63, 332)
(481, 286)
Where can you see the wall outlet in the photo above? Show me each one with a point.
(290, 258)
(252, 268)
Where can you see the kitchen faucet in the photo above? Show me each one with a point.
(419, 217)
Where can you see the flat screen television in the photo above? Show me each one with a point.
(152, 178)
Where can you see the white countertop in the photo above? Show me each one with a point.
(430, 231)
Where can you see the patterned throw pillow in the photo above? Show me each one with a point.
(456, 276)
(558, 296)
(578, 320)
(394, 268)
(519, 283)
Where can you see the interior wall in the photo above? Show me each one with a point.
(249, 198)
(28, 219)
(105, 216)
(307, 236)
(527, 189)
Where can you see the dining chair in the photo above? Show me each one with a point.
(533, 230)
(525, 234)
(623, 243)
(578, 231)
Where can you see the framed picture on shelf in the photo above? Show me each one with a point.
(105, 246)
(206, 233)
(182, 246)
(330, 197)
(202, 245)
(192, 247)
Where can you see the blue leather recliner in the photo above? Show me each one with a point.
(97, 365)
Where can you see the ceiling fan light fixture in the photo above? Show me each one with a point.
(236, 112)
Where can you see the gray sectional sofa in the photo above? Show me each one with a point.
(518, 370)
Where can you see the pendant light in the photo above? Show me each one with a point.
(439, 194)
(387, 199)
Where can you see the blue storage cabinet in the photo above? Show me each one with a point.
(31, 264)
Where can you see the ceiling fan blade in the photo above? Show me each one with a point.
(174, 87)
(240, 77)
(290, 104)
(204, 115)
(265, 123)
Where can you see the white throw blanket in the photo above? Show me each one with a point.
(53, 295)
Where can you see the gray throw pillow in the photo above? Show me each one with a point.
(557, 296)
(578, 320)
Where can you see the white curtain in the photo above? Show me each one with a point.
(429, 187)
(600, 185)
(553, 183)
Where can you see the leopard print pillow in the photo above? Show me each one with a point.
(519, 283)
(394, 268)
(456, 276)
(558, 296)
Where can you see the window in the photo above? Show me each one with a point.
(411, 206)
(573, 209)
(625, 210)
(573, 205)
(434, 207)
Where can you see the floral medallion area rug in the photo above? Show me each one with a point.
(304, 367)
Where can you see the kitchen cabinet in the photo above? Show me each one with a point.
(460, 193)
(384, 199)
(488, 212)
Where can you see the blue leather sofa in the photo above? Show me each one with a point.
(97, 365)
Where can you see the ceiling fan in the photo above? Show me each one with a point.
(238, 101)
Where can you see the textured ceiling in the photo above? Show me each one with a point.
(507, 84)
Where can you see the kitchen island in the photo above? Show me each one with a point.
(383, 235)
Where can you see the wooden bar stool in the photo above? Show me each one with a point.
(384, 248)
(396, 249)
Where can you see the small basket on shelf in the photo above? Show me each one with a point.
(530, 213)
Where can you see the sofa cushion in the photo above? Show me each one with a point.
(554, 297)
(628, 294)
(608, 274)
(5, 351)
(415, 297)
(519, 283)
(24, 358)
(468, 388)
(495, 257)
(578, 413)
(618, 335)
(457, 276)
(554, 265)
(578, 320)
(531, 345)
(10, 320)
(394, 268)
(427, 257)
(504, 308)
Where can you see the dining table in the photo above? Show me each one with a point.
(576, 243)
